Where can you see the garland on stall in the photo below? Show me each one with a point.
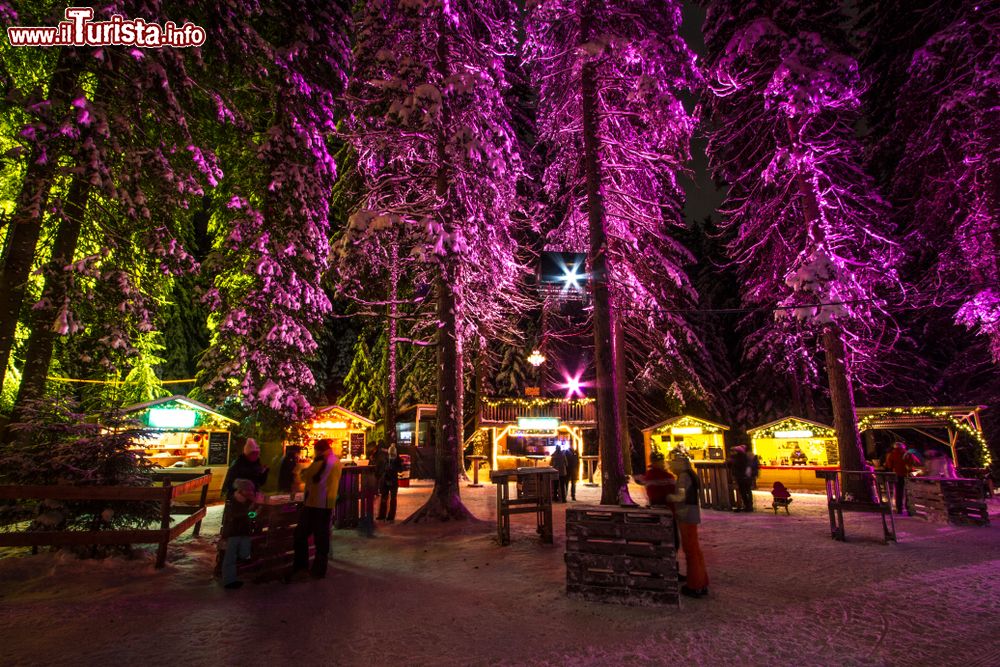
(986, 459)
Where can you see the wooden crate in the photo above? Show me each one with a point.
(958, 501)
(621, 554)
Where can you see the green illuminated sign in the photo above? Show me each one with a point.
(171, 418)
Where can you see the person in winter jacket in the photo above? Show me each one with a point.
(898, 461)
(322, 480)
(246, 466)
(389, 485)
(687, 510)
(558, 461)
(572, 470)
(740, 465)
(659, 482)
(288, 468)
(237, 525)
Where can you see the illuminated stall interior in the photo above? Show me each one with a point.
(702, 439)
(347, 430)
(791, 449)
(525, 431)
(185, 435)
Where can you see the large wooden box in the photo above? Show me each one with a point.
(621, 554)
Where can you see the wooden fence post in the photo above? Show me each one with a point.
(161, 554)
(203, 502)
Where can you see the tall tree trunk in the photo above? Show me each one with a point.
(845, 419)
(29, 209)
(445, 501)
(43, 335)
(614, 483)
(392, 326)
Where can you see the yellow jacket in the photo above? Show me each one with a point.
(323, 493)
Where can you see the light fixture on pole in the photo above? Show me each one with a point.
(536, 358)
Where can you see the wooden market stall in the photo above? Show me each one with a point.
(940, 424)
(525, 431)
(703, 440)
(348, 431)
(791, 450)
(187, 436)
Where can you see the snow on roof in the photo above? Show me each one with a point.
(789, 418)
(679, 418)
(337, 408)
(178, 398)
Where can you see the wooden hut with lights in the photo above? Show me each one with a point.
(348, 431)
(944, 425)
(702, 439)
(525, 431)
(791, 450)
(186, 436)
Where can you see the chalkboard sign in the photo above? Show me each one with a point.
(357, 445)
(218, 448)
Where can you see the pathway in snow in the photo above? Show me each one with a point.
(783, 592)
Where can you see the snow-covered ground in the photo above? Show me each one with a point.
(782, 593)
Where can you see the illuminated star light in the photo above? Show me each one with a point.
(573, 386)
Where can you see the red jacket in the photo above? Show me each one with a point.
(899, 462)
(659, 483)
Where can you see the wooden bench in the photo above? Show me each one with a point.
(877, 484)
(621, 554)
(958, 501)
(534, 496)
(165, 495)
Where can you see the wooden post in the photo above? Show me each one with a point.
(161, 554)
(203, 501)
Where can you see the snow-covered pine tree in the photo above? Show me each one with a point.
(610, 75)
(812, 235)
(268, 295)
(946, 185)
(436, 150)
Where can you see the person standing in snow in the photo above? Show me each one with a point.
(389, 485)
(558, 461)
(246, 466)
(740, 465)
(899, 462)
(322, 480)
(687, 510)
(237, 525)
(573, 470)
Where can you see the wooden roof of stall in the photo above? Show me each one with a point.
(178, 398)
(790, 418)
(325, 412)
(674, 420)
(919, 416)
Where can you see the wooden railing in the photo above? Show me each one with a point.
(573, 411)
(163, 494)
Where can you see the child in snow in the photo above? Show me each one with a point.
(780, 497)
(236, 528)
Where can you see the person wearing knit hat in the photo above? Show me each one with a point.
(237, 526)
(246, 466)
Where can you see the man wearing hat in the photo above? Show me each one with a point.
(246, 466)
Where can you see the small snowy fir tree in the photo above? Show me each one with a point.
(59, 445)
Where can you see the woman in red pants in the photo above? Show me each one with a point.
(687, 510)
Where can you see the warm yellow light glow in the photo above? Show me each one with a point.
(795, 433)
(316, 426)
(686, 430)
(536, 358)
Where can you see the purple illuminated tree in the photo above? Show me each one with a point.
(616, 134)
(811, 232)
(437, 154)
(945, 183)
(268, 297)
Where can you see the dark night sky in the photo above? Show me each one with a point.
(702, 196)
